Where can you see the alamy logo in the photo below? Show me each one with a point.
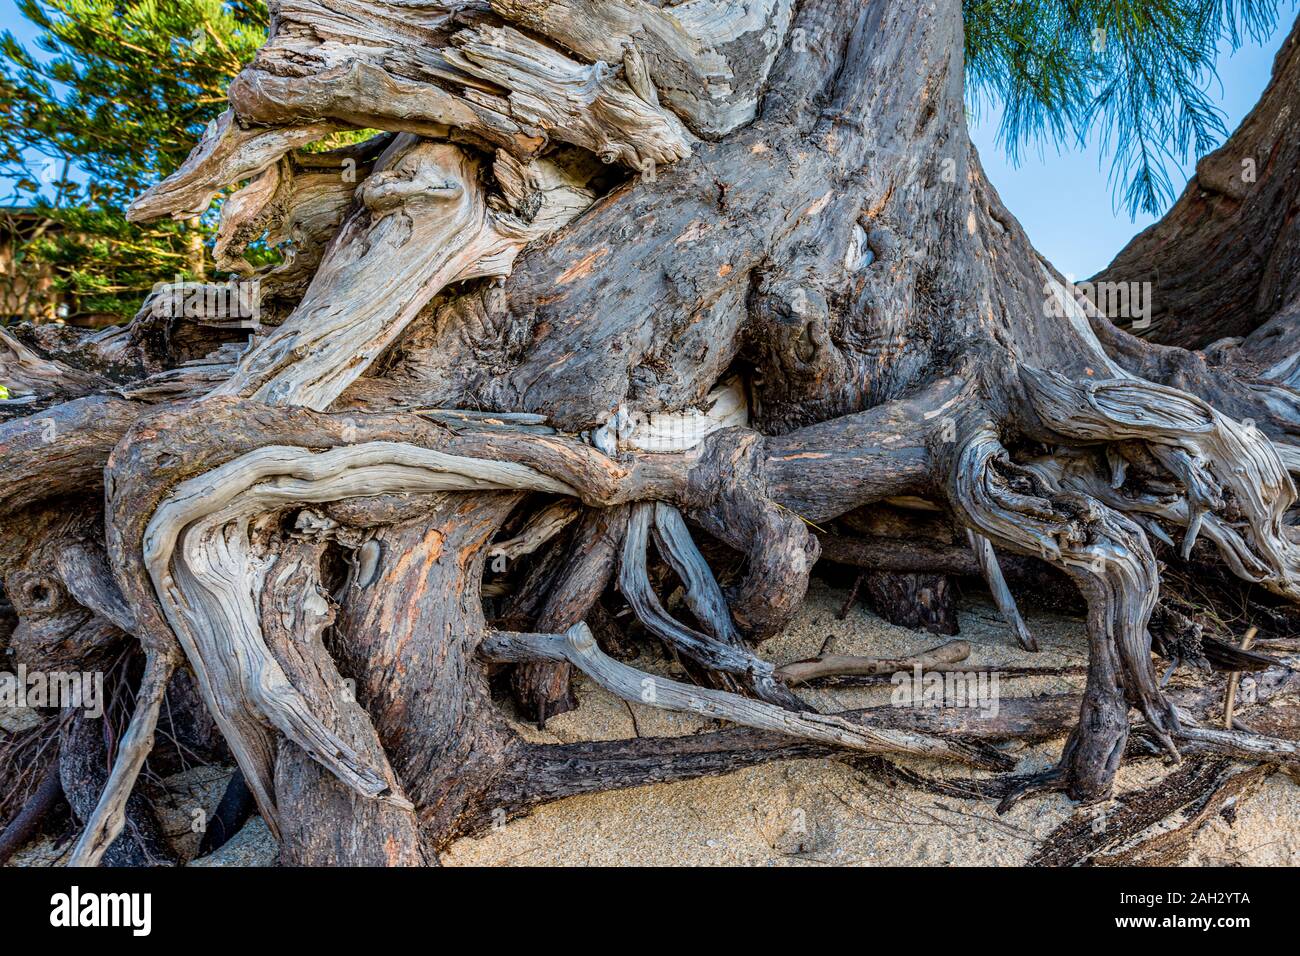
(73, 909)
(1115, 300)
(920, 688)
(81, 690)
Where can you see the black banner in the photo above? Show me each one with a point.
(344, 907)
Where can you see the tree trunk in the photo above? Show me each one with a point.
(629, 286)
(1224, 261)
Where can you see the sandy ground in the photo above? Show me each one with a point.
(800, 813)
(820, 812)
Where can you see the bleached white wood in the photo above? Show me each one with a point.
(227, 153)
(628, 429)
(540, 528)
(424, 222)
(201, 552)
(1210, 453)
(109, 816)
(703, 595)
(706, 60)
(583, 104)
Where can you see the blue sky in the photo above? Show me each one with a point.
(1063, 198)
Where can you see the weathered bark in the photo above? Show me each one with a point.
(409, 629)
(295, 612)
(706, 60)
(1132, 834)
(485, 347)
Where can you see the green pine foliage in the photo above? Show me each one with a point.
(113, 98)
(1133, 72)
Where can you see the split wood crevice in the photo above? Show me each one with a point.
(709, 276)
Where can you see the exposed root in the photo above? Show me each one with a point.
(423, 213)
(988, 562)
(1109, 558)
(203, 551)
(735, 505)
(579, 648)
(106, 822)
(543, 690)
(30, 378)
(1242, 744)
(859, 356)
(1230, 473)
(541, 528)
(703, 595)
(227, 153)
(709, 652)
(200, 550)
(1234, 679)
(295, 612)
(1053, 780)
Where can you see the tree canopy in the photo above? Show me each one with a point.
(114, 95)
(1134, 71)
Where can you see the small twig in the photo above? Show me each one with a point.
(834, 665)
(1230, 699)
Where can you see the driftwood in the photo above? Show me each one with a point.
(625, 298)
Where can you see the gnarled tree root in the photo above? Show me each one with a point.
(1051, 511)
(222, 512)
(1108, 557)
(578, 647)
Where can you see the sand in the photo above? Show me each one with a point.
(821, 812)
(797, 813)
